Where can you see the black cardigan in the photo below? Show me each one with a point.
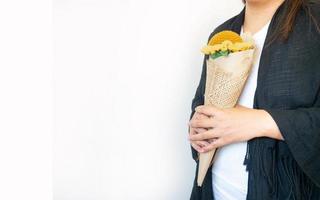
(288, 87)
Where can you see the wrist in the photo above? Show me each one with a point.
(269, 127)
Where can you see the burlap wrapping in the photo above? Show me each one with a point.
(225, 79)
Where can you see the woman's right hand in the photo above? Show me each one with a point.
(199, 144)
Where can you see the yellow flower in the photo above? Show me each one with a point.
(217, 47)
(234, 48)
(208, 49)
(218, 38)
(224, 48)
(227, 45)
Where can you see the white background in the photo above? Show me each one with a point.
(26, 99)
(108, 84)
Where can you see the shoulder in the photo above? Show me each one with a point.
(306, 24)
(314, 8)
(224, 26)
(310, 19)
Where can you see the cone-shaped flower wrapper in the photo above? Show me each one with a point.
(225, 79)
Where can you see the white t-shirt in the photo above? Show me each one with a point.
(229, 175)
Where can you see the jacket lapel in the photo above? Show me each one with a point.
(237, 23)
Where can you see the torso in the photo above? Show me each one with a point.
(229, 176)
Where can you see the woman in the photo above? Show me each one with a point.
(281, 127)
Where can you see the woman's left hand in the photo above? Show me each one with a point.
(226, 126)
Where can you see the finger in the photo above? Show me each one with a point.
(207, 110)
(215, 123)
(196, 147)
(200, 130)
(211, 140)
(192, 131)
(209, 147)
(201, 115)
(209, 134)
(213, 145)
(201, 123)
(198, 115)
(201, 143)
(219, 142)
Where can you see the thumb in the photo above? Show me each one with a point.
(207, 110)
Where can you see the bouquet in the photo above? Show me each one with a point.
(228, 66)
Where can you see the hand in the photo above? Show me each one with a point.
(226, 126)
(198, 144)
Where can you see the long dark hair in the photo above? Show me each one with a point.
(287, 20)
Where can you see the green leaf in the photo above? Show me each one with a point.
(219, 53)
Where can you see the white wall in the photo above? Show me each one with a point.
(26, 100)
(125, 73)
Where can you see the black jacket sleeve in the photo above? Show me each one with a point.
(300, 129)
